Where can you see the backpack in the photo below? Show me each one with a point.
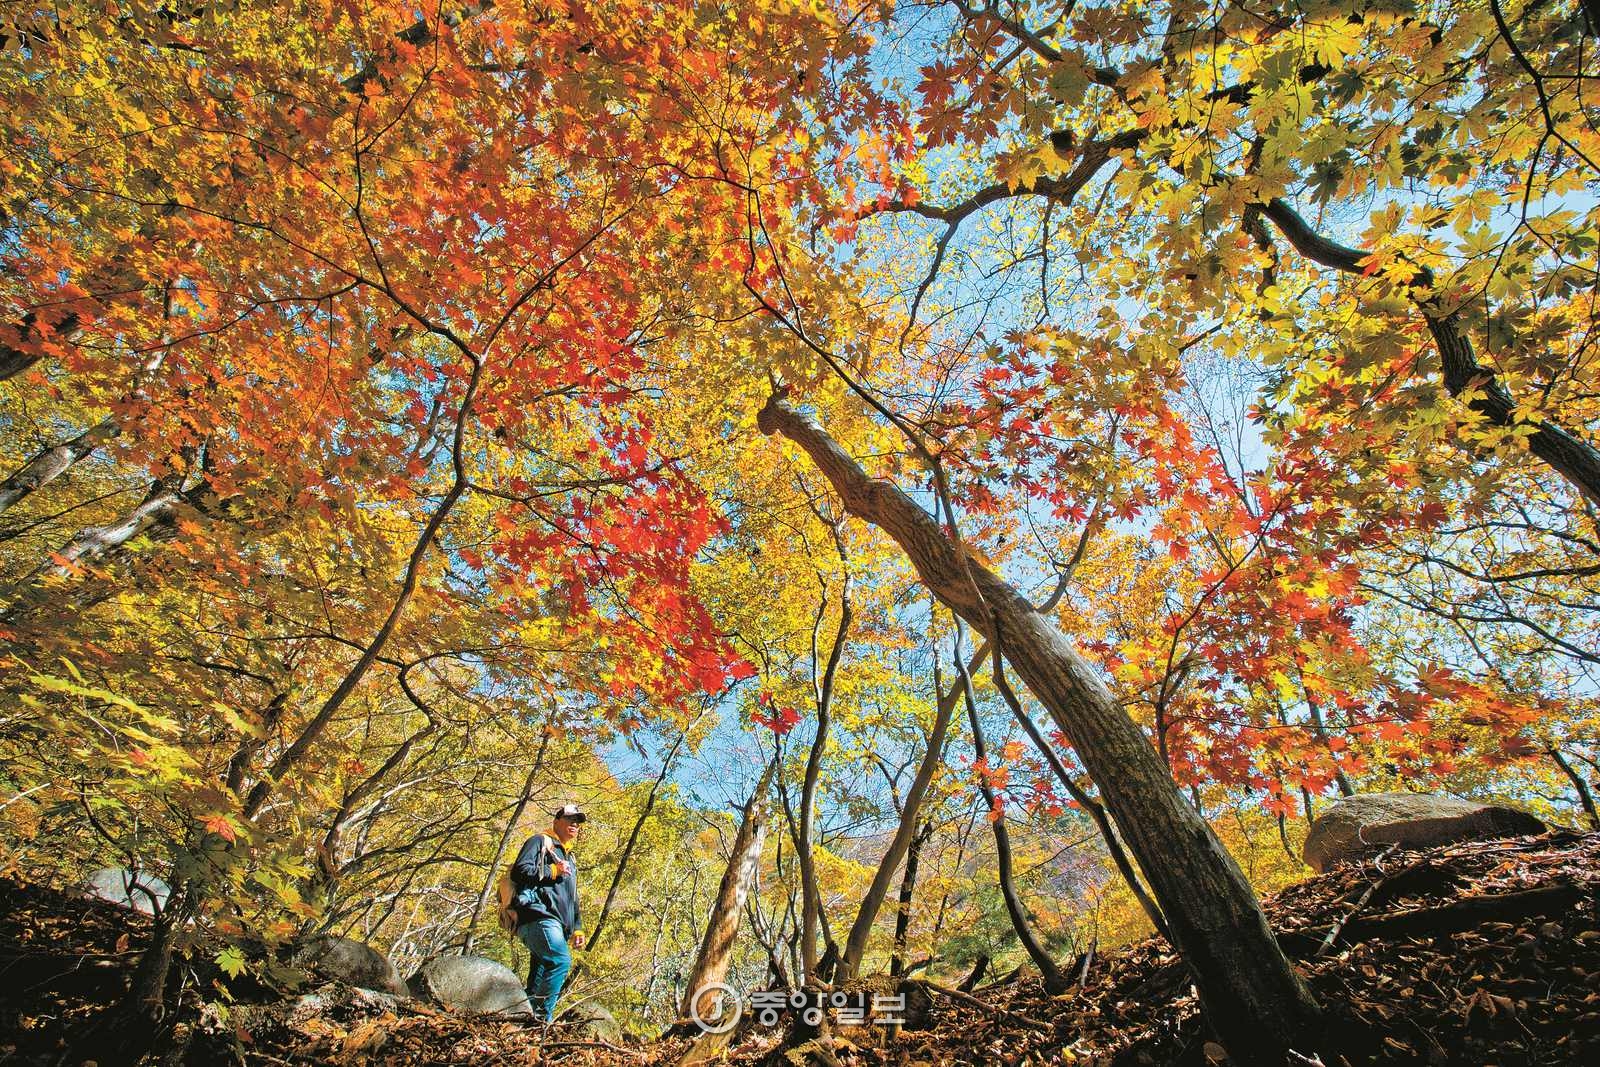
(506, 913)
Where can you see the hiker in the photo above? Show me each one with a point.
(546, 880)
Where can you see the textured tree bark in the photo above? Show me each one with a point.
(856, 943)
(52, 463)
(1258, 1004)
(1092, 807)
(1054, 980)
(722, 925)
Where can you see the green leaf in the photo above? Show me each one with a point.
(231, 960)
(1069, 79)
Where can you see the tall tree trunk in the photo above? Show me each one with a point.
(1581, 787)
(722, 925)
(1258, 1004)
(908, 890)
(627, 850)
(492, 880)
(1054, 980)
(856, 943)
(810, 890)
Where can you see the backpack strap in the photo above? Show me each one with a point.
(546, 850)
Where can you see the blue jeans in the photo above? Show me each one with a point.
(551, 960)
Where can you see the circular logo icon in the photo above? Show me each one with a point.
(721, 1003)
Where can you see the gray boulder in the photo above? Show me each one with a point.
(595, 1023)
(470, 983)
(1369, 822)
(346, 960)
(142, 892)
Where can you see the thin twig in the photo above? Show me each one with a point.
(1361, 902)
(969, 999)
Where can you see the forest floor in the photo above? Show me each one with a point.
(1481, 953)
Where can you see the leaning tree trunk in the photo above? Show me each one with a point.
(1054, 980)
(1092, 807)
(722, 926)
(1258, 1004)
(492, 880)
(51, 463)
(856, 943)
(811, 915)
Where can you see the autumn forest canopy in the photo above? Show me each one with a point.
(1030, 457)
